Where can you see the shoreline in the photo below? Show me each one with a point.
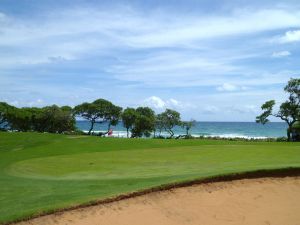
(123, 134)
(245, 130)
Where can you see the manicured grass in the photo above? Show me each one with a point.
(42, 172)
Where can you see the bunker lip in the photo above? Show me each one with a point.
(263, 173)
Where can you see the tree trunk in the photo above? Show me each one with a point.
(171, 133)
(290, 129)
(289, 132)
(105, 133)
(92, 127)
(108, 127)
(127, 132)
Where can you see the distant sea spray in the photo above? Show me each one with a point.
(208, 129)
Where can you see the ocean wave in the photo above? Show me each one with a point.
(235, 136)
(114, 134)
(123, 134)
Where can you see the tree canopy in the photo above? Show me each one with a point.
(141, 121)
(289, 111)
(128, 118)
(52, 119)
(144, 122)
(168, 120)
(4, 108)
(99, 111)
(187, 125)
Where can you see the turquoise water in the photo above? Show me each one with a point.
(221, 129)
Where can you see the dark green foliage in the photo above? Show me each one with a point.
(293, 88)
(99, 111)
(289, 111)
(267, 107)
(56, 119)
(168, 120)
(20, 119)
(295, 131)
(51, 119)
(187, 125)
(128, 117)
(159, 124)
(87, 111)
(4, 108)
(144, 122)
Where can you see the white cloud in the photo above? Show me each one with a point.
(186, 30)
(2, 16)
(174, 102)
(14, 103)
(244, 109)
(160, 50)
(280, 54)
(59, 36)
(37, 103)
(154, 102)
(159, 104)
(211, 109)
(227, 87)
(197, 63)
(173, 68)
(290, 36)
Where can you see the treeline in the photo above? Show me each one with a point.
(138, 122)
(52, 119)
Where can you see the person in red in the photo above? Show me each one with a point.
(110, 132)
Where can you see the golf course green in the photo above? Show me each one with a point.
(42, 172)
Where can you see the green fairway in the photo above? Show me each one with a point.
(43, 172)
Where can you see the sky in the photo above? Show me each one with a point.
(210, 60)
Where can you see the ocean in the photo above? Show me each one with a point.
(209, 129)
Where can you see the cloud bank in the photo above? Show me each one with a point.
(126, 53)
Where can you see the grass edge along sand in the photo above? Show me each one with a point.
(269, 173)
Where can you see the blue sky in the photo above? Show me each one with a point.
(210, 60)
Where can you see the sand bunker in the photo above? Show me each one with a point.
(248, 201)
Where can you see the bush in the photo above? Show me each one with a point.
(75, 132)
(281, 139)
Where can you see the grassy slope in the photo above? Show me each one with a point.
(40, 172)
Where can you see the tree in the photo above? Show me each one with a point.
(187, 125)
(89, 112)
(144, 122)
(4, 107)
(68, 121)
(51, 119)
(170, 118)
(159, 124)
(111, 114)
(55, 119)
(128, 119)
(289, 111)
(99, 111)
(19, 119)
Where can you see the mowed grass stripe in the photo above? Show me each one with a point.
(42, 172)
